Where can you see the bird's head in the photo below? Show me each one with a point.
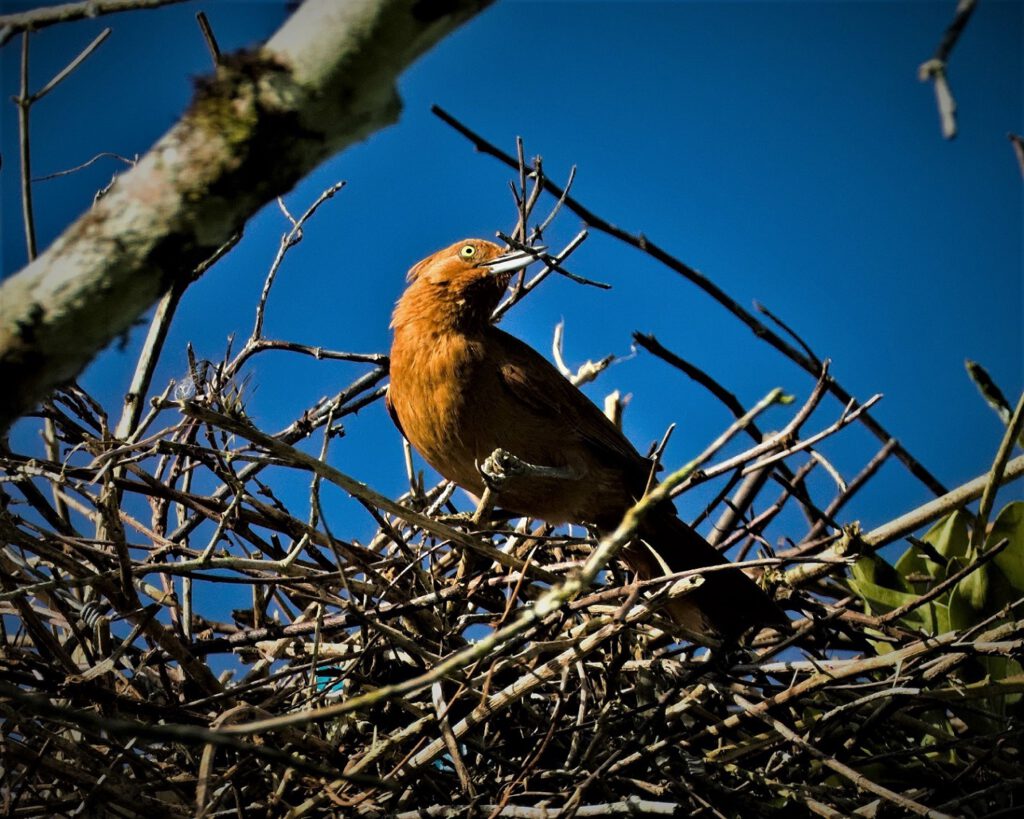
(461, 285)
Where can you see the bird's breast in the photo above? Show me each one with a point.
(436, 394)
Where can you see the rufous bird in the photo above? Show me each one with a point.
(474, 400)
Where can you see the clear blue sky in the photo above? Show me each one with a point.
(786, 150)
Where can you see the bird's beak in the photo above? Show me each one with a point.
(513, 260)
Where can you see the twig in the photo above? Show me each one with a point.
(774, 442)
(790, 332)
(208, 36)
(935, 68)
(191, 734)
(738, 505)
(521, 292)
(1014, 431)
(288, 240)
(67, 70)
(552, 262)
(587, 371)
(159, 325)
(860, 480)
(39, 18)
(539, 230)
(633, 806)
(848, 415)
(24, 103)
(84, 165)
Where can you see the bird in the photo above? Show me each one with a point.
(485, 409)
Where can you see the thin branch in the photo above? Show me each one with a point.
(40, 18)
(84, 165)
(1014, 432)
(159, 326)
(811, 356)
(934, 69)
(288, 240)
(208, 36)
(24, 103)
(519, 293)
(848, 415)
(67, 70)
(552, 262)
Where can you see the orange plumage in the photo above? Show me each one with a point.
(461, 389)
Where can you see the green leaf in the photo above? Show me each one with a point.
(881, 600)
(978, 596)
(950, 538)
(941, 613)
(873, 569)
(974, 587)
(999, 668)
(961, 613)
(912, 562)
(1010, 524)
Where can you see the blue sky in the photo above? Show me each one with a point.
(786, 150)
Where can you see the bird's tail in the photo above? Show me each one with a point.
(726, 605)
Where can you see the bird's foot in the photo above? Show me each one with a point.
(499, 467)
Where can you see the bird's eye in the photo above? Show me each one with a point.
(467, 252)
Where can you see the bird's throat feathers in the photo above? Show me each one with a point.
(460, 305)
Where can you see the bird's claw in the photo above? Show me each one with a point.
(499, 467)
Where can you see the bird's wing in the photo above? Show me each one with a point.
(535, 382)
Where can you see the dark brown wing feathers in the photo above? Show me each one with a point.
(536, 383)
